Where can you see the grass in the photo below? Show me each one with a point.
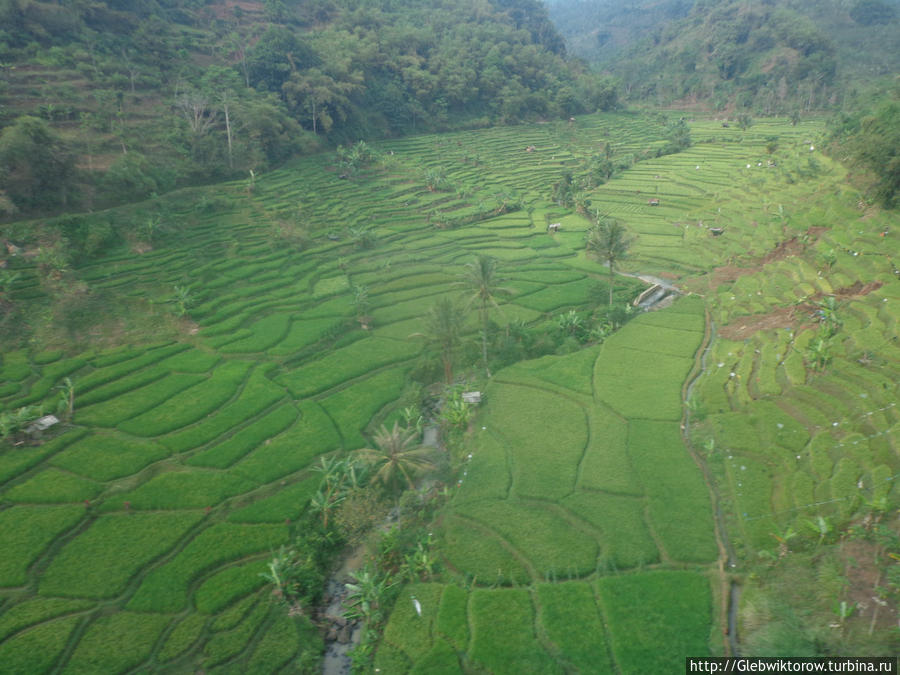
(632, 390)
(286, 504)
(27, 531)
(232, 583)
(452, 623)
(101, 561)
(37, 649)
(280, 643)
(126, 406)
(606, 464)
(574, 626)
(673, 621)
(257, 394)
(574, 371)
(186, 633)
(294, 449)
(108, 455)
(626, 540)
(548, 541)
(37, 610)
(226, 453)
(228, 644)
(165, 588)
(408, 631)
(487, 473)
(17, 460)
(191, 405)
(545, 449)
(507, 644)
(185, 489)
(353, 408)
(679, 506)
(52, 486)
(116, 643)
(479, 555)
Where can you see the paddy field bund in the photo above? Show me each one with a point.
(582, 535)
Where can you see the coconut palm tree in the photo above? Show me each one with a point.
(443, 326)
(481, 278)
(397, 453)
(608, 243)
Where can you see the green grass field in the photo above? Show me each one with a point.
(134, 536)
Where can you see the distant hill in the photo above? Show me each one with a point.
(763, 56)
(137, 97)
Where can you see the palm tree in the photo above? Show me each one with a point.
(481, 278)
(608, 243)
(396, 453)
(443, 325)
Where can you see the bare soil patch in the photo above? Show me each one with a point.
(790, 247)
(864, 576)
(784, 317)
(857, 290)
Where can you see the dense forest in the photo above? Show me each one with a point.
(769, 57)
(107, 101)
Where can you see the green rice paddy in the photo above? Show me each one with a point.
(580, 536)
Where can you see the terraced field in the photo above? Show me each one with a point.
(134, 539)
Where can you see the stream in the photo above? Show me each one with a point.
(342, 637)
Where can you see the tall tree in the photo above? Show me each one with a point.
(222, 85)
(608, 243)
(482, 280)
(443, 326)
(36, 168)
(320, 96)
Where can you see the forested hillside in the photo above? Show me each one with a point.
(110, 101)
(774, 56)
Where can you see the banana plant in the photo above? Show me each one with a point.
(366, 595)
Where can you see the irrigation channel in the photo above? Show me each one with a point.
(731, 590)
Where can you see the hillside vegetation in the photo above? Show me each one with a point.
(767, 57)
(137, 99)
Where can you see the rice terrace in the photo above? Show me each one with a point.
(239, 387)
